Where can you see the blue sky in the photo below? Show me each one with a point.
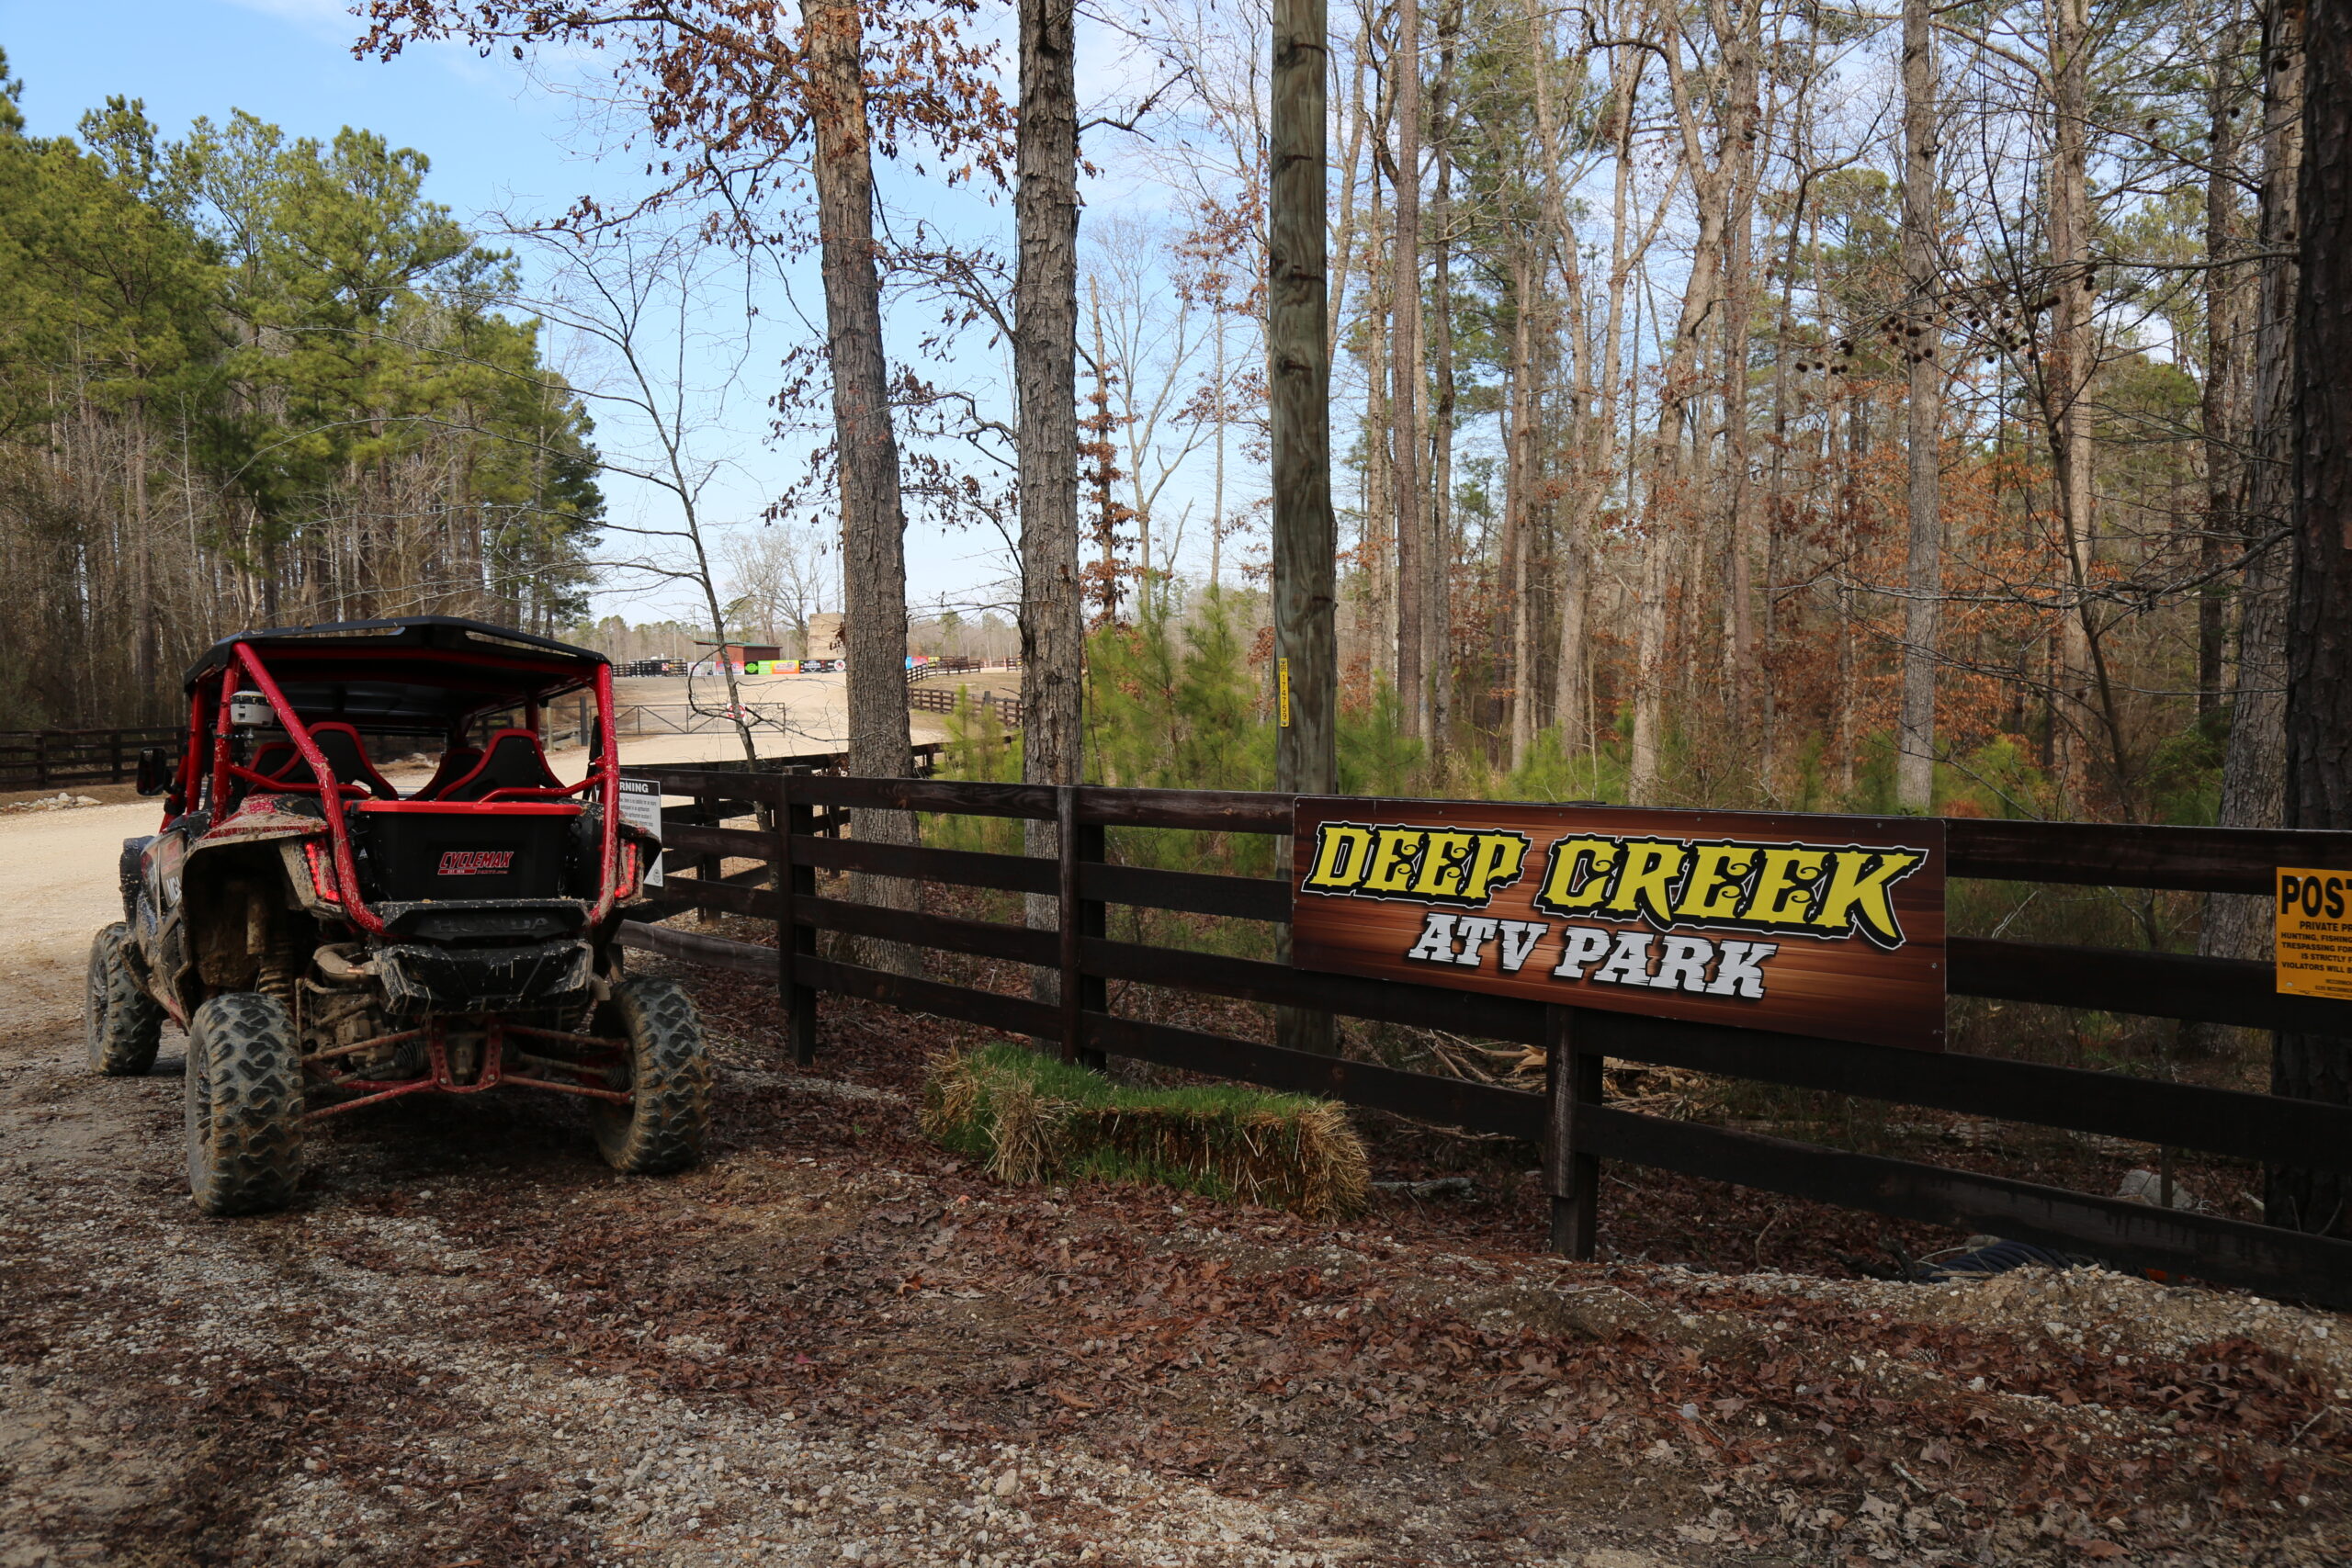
(493, 142)
(497, 141)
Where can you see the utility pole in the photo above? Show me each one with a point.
(1306, 654)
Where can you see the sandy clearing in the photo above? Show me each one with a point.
(57, 888)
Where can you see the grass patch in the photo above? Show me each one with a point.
(1033, 1118)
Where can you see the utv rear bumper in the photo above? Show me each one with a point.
(419, 977)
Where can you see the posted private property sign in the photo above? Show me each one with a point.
(1831, 926)
(2313, 954)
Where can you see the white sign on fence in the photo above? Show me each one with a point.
(641, 808)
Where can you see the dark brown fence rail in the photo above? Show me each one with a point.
(1571, 1123)
(1006, 711)
(38, 759)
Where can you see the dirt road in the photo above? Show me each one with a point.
(470, 1345)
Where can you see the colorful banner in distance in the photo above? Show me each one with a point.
(1831, 926)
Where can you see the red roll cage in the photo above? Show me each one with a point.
(210, 709)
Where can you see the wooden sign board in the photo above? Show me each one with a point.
(1830, 926)
(2314, 955)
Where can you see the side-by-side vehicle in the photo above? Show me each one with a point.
(331, 941)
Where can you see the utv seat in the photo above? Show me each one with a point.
(275, 762)
(513, 761)
(456, 763)
(339, 743)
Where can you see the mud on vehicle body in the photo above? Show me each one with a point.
(330, 942)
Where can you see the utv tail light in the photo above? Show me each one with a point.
(321, 864)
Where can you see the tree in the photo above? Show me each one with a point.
(629, 297)
(874, 521)
(758, 110)
(1415, 637)
(246, 379)
(2319, 626)
(1914, 784)
(1045, 356)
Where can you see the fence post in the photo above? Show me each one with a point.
(1571, 1078)
(793, 939)
(1091, 840)
(1065, 845)
(114, 755)
(41, 760)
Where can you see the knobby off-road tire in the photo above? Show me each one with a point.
(670, 1071)
(122, 1021)
(244, 1105)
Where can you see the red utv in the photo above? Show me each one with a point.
(331, 941)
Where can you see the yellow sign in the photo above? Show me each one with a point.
(2314, 951)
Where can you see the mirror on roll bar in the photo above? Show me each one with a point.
(157, 768)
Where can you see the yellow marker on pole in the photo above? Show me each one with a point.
(1281, 681)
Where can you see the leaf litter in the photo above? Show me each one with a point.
(837, 1343)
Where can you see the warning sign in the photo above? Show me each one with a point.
(641, 808)
(2315, 933)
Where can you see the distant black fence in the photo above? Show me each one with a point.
(1005, 711)
(39, 759)
(1571, 1121)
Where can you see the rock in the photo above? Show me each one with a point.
(1008, 1483)
(2147, 1187)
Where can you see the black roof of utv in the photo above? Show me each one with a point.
(417, 674)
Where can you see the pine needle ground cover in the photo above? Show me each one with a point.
(1028, 1118)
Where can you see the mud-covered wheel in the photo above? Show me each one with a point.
(244, 1105)
(122, 1021)
(668, 1070)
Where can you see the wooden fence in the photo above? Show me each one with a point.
(1006, 711)
(39, 759)
(1571, 1122)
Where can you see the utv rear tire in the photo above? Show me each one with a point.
(122, 1021)
(667, 1065)
(244, 1105)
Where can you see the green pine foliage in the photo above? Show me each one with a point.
(248, 378)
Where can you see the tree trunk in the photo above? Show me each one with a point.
(2254, 768)
(2319, 615)
(2222, 400)
(1518, 457)
(1437, 561)
(1305, 542)
(1045, 353)
(2066, 388)
(1673, 511)
(1413, 634)
(873, 560)
(1217, 486)
(1380, 560)
(1923, 579)
(1742, 131)
(1574, 700)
